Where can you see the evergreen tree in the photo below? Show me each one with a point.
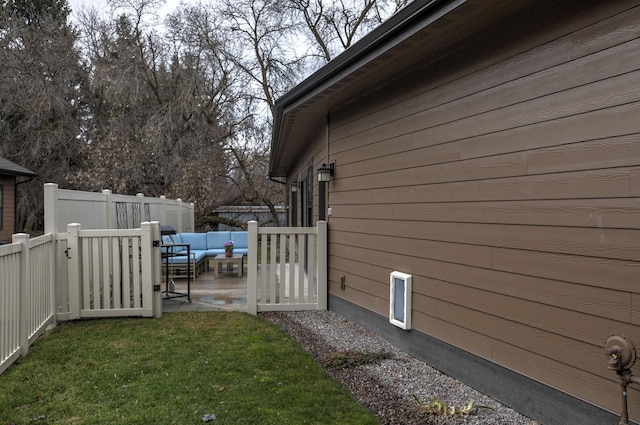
(36, 12)
(41, 100)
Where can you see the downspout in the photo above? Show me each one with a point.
(283, 183)
(327, 136)
(326, 141)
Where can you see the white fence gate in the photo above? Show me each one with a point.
(112, 273)
(287, 268)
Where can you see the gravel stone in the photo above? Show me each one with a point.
(388, 387)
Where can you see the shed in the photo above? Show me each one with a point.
(490, 150)
(260, 213)
(11, 175)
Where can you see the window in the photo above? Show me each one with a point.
(400, 300)
(306, 192)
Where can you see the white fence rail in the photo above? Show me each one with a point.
(27, 301)
(287, 268)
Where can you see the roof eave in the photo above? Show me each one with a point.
(381, 39)
(9, 168)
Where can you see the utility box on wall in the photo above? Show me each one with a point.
(400, 300)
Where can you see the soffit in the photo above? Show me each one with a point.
(301, 111)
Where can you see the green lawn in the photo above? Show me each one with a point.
(173, 370)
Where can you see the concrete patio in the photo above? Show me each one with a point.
(227, 292)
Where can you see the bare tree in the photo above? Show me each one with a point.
(262, 45)
(267, 46)
(184, 112)
(244, 97)
(188, 112)
(162, 110)
(330, 27)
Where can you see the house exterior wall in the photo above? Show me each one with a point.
(305, 174)
(505, 179)
(306, 198)
(8, 208)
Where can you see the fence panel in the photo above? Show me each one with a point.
(287, 268)
(187, 218)
(26, 294)
(41, 273)
(105, 210)
(9, 304)
(81, 207)
(110, 278)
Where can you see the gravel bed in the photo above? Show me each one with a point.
(385, 379)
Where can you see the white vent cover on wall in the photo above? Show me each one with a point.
(400, 300)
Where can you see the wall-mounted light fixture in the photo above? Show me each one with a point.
(294, 186)
(324, 176)
(325, 172)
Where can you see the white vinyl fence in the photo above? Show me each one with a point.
(287, 268)
(105, 210)
(27, 301)
(83, 271)
(110, 273)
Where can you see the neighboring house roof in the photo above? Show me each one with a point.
(10, 168)
(416, 36)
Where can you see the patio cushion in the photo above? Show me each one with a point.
(171, 240)
(240, 242)
(216, 240)
(197, 241)
(240, 239)
(204, 245)
(196, 256)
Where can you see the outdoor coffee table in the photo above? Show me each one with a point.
(220, 259)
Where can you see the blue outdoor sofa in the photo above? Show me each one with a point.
(201, 246)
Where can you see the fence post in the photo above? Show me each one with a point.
(50, 223)
(322, 265)
(74, 265)
(252, 268)
(25, 292)
(141, 217)
(107, 209)
(163, 210)
(50, 208)
(156, 264)
(192, 217)
(147, 269)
